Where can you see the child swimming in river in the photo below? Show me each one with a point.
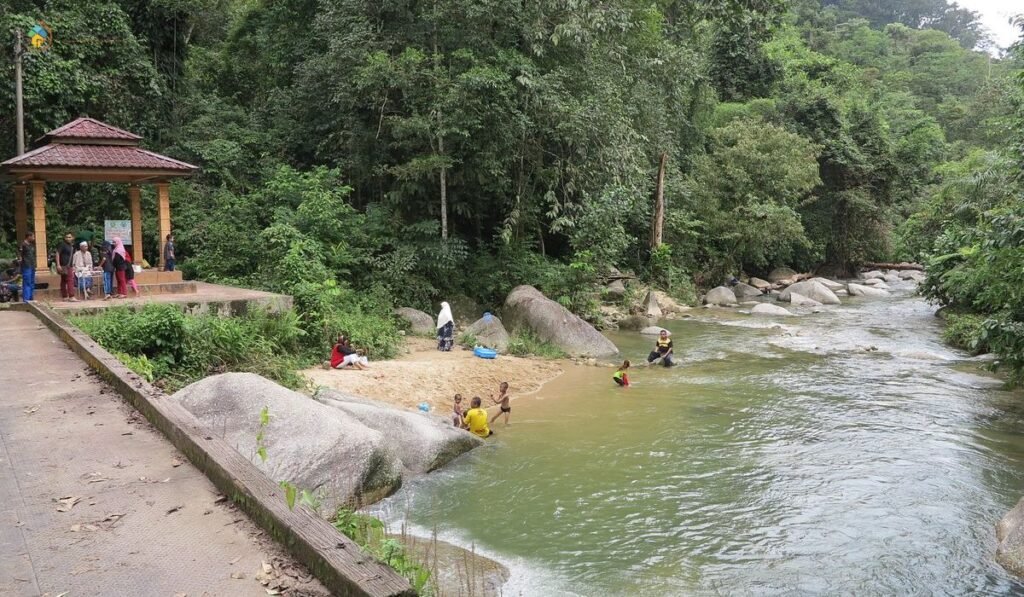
(620, 376)
(503, 400)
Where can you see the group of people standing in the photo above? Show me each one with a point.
(75, 268)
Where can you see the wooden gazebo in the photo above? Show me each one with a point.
(87, 150)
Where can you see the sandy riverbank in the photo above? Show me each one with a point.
(425, 375)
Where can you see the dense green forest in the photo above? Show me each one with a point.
(360, 155)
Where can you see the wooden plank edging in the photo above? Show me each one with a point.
(332, 557)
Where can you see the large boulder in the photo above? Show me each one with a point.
(745, 291)
(616, 290)
(421, 322)
(872, 275)
(769, 309)
(830, 284)
(873, 282)
(760, 284)
(811, 289)
(798, 300)
(892, 278)
(667, 304)
(910, 274)
(423, 442)
(1010, 537)
(527, 308)
(489, 332)
(314, 447)
(652, 308)
(721, 296)
(866, 291)
(781, 273)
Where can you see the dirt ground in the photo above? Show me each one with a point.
(424, 374)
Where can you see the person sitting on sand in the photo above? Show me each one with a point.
(503, 400)
(662, 350)
(476, 419)
(344, 356)
(457, 413)
(620, 376)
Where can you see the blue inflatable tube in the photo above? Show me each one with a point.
(485, 353)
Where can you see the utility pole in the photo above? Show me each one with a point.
(19, 107)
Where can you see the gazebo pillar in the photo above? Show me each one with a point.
(163, 204)
(20, 213)
(39, 222)
(136, 209)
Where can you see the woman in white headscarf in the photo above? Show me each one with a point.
(445, 328)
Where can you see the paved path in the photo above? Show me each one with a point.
(145, 522)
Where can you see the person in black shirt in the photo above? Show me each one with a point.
(65, 252)
(662, 350)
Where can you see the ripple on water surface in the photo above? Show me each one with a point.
(847, 452)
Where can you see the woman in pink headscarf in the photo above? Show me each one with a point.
(120, 264)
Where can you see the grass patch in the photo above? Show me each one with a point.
(371, 535)
(526, 344)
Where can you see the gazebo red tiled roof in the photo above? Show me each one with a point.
(87, 150)
(92, 129)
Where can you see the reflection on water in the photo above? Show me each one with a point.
(847, 451)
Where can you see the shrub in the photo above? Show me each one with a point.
(525, 344)
(966, 331)
(371, 535)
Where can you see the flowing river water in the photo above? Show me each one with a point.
(842, 452)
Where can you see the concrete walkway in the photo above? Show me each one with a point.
(95, 502)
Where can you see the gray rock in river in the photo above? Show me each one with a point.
(422, 323)
(1010, 537)
(721, 296)
(315, 447)
(652, 330)
(798, 300)
(866, 291)
(872, 274)
(489, 332)
(830, 284)
(527, 308)
(813, 290)
(745, 291)
(760, 284)
(423, 442)
(769, 309)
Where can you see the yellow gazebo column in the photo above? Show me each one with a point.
(20, 213)
(39, 221)
(163, 203)
(136, 208)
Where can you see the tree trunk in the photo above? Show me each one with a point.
(444, 191)
(658, 223)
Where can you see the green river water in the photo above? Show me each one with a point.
(780, 457)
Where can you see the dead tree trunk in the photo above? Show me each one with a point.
(658, 223)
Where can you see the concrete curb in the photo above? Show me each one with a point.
(333, 558)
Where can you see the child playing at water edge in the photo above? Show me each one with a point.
(620, 376)
(476, 419)
(503, 400)
(457, 413)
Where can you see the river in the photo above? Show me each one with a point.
(843, 452)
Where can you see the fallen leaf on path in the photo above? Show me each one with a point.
(68, 502)
(176, 462)
(235, 561)
(272, 592)
(29, 411)
(237, 575)
(167, 480)
(91, 527)
(220, 499)
(174, 509)
(75, 528)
